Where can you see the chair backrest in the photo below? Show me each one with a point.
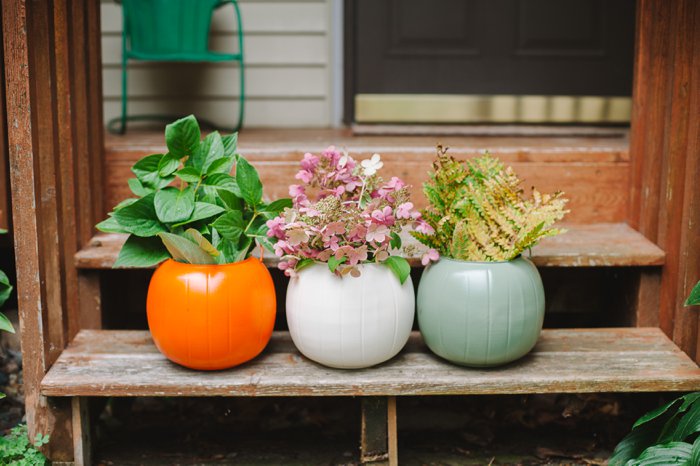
(168, 26)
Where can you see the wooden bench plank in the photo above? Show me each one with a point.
(125, 363)
(596, 245)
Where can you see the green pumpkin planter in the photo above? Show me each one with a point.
(482, 303)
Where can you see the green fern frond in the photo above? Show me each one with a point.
(479, 213)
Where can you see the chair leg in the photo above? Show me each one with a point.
(379, 444)
(241, 101)
(122, 130)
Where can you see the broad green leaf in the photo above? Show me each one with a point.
(333, 263)
(210, 149)
(230, 142)
(5, 288)
(688, 424)
(202, 210)
(137, 188)
(110, 225)
(202, 242)
(5, 324)
(273, 209)
(694, 298)
(127, 202)
(682, 402)
(222, 165)
(395, 240)
(185, 250)
(669, 454)
(189, 175)
(248, 182)
(399, 266)
(182, 136)
(634, 444)
(141, 252)
(265, 242)
(695, 453)
(230, 225)
(140, 217)
(168, 165)
(304, 263)
(222, 181)
(174, 205)
(146, 170)
(243, 248)
(229, 251)
(230, 200)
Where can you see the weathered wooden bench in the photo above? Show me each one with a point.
(102, 363)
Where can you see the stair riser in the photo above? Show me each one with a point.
(597, 184)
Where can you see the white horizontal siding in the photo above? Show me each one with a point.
(184, 80)
(279, 50)
(262, 112)
(287, 68)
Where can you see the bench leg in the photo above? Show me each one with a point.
(379, 445)
(82, 434)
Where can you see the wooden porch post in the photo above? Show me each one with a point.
(54, 166)
(665, 154)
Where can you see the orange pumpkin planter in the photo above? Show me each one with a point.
(211, 317)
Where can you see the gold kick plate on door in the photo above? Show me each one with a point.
(451, 108)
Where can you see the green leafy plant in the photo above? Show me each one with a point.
(694, 298)
(665, 436)
(478, 211)
(17, 450)
(5, 291)
(189, 207)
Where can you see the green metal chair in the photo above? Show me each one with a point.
(172, 31)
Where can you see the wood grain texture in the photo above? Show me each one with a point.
(82, 432)
(30, 194)
(665, 145)
(126, 363)
(596, 245)
(593, 172)
(374, 435)
(686, 321)
(5, 196)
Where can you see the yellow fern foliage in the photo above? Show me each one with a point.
(479, 213)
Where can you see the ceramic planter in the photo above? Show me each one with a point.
(211, 317)
(480, 313)
(349, 322)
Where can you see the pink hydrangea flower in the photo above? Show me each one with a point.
(332, 217)
(275, 227)
(384, 216)
(377, 232)
(304, 175)
(309, 162)
(424, 227)
(430, 255)
(404, 210)
(357, 255)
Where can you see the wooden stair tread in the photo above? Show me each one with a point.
(126, 363)
(594, 245)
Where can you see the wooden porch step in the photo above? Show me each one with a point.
(126, 363)
(592, 171)
(596, 245)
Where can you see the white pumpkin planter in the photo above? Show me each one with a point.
(349, 322)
